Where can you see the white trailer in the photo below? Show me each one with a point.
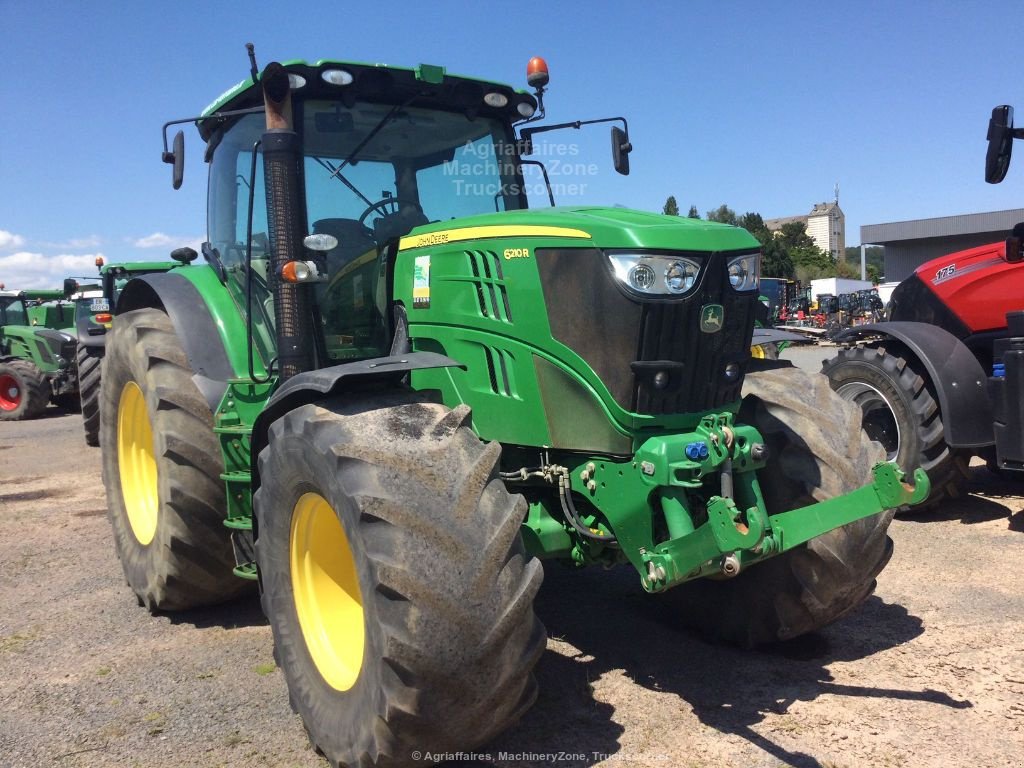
(836, 286)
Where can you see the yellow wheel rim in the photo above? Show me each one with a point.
(137, 463)
(326, 589)
(757, 352)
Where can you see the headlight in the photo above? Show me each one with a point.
(745, 271)
(655, 275)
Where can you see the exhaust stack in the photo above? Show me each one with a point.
(282, 171)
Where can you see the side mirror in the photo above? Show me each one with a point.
(70, 287)
(176, 157)
(1000, 144)
(1015, 244)
(620, 150)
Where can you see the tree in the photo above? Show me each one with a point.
(874, 256)
(754, 224)
(775, 261)
(794, 235)
(693, 213)
(723, 214)
(671, 206)
(846, 269)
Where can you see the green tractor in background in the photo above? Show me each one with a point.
(392, 388)
(36, 362)
(93, 317)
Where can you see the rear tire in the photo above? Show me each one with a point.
(438, 640)
(161, 468)
(89, 368)
(900, 412)
(816, 452)
(24, 391)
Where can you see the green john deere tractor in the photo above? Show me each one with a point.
(36, 362)
(93, 318)
(392, 388)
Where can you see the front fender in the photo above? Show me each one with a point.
(954, 373)
(380, 373)
(209, 326)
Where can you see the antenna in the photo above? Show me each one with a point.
(253, 69)
(837, 193)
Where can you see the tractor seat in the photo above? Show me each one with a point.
(354, 239)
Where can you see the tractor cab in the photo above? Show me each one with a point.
(13, 309)
(382, 152)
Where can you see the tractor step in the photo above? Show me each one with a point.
(246, 571)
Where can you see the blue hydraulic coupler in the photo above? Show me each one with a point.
(696, 451)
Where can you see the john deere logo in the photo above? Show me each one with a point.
(711, 318)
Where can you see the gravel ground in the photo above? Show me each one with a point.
(930, 672)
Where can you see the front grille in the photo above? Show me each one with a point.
(593, 316)
(671, 331)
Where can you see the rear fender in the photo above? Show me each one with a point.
(956, 376)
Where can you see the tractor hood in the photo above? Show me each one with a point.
(594, 227)
(48, 348)
(965, 292)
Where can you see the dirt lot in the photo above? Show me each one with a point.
(930, 672)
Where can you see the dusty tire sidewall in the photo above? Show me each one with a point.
(333, 713)
(140, 561)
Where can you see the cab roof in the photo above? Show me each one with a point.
(425, 83)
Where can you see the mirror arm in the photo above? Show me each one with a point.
(526, 134)
(168, 157)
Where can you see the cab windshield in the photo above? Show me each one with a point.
(372, 172)
(12, 311)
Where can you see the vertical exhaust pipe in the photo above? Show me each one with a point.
(282, 171)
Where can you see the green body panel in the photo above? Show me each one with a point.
(511, 335)
(59, 315)
(23, 341)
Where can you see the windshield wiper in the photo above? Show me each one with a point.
(336, 172)
(373, 132)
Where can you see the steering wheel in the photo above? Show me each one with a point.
(387, 206)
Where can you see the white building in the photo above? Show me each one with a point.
(826, 225)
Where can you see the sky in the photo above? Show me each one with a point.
(763, 106)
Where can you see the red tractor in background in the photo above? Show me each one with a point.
(944, 379)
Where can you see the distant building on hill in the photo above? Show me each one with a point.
(826, 225)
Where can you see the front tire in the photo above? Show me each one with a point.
(816, 452)
(421, 636)
(161, 468)
(24, 391)
(900, 412)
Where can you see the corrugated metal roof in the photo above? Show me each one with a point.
(943, 226)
